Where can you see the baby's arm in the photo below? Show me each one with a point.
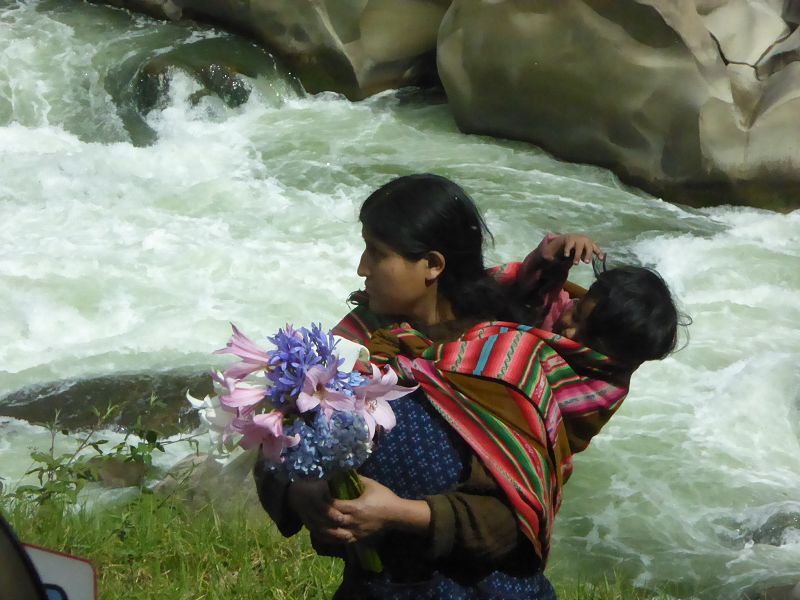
(570, 245)
(543, 274)
(551, 259)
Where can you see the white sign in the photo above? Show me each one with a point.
(75, 576)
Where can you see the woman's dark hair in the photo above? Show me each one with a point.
(418, 214)
(634, 318)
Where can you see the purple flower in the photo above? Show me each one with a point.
(296, 352)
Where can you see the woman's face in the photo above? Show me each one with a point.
(395, 285)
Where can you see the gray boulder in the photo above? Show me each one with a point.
(355, 47)
(692, 100)
(154, 401)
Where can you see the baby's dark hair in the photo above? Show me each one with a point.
(634, 318)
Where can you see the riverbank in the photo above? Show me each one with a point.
(156, 547)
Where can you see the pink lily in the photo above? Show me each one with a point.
(314, 392)
(243, 396)
(372, 399)
(253, 357)
(222, 381)
(265, 430)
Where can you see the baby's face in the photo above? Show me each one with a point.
(572, 323)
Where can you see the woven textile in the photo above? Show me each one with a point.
(524, 399)
(439, 461)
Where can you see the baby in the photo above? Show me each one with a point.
(628, 313)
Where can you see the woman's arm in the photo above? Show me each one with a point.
(473, 522)
(291, 505)
(272, 493)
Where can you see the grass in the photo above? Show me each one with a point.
(156, 548)
(167, 548)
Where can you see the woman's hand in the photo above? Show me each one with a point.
(379, 509)
(579, 247)
(313, 504)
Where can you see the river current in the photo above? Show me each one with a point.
(129, 242)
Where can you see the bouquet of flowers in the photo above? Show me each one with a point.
(312, 404)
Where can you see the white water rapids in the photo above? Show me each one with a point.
(118, 258)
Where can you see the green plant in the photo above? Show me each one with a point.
(62, 476)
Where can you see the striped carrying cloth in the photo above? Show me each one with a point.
(524, 399)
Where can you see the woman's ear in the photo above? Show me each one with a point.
(436, 263)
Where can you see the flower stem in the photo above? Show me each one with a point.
(345, 485)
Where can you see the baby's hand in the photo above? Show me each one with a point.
(579, 247)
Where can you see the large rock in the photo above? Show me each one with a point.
(355, 47)
(693, 100)
(153, 400)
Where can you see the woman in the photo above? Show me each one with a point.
(456, 513)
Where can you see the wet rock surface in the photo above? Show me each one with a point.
(158, 399)
(694, 101)
(222, 67)
(354, 47)
(777, 529)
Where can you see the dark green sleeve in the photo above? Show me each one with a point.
(272, 494)
(474, 521)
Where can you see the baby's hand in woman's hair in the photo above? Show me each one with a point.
(571, 245)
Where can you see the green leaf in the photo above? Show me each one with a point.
(42, 457)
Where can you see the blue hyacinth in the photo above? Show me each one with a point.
(325, 446)
(296, 351)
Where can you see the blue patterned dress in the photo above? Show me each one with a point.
(423, 456)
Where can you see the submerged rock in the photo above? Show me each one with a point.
(695, 101)
(151, 87)
(157, 399)
(151, 83)
(224, 82)
(778, 529)
(217, 65)
(222, 67)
